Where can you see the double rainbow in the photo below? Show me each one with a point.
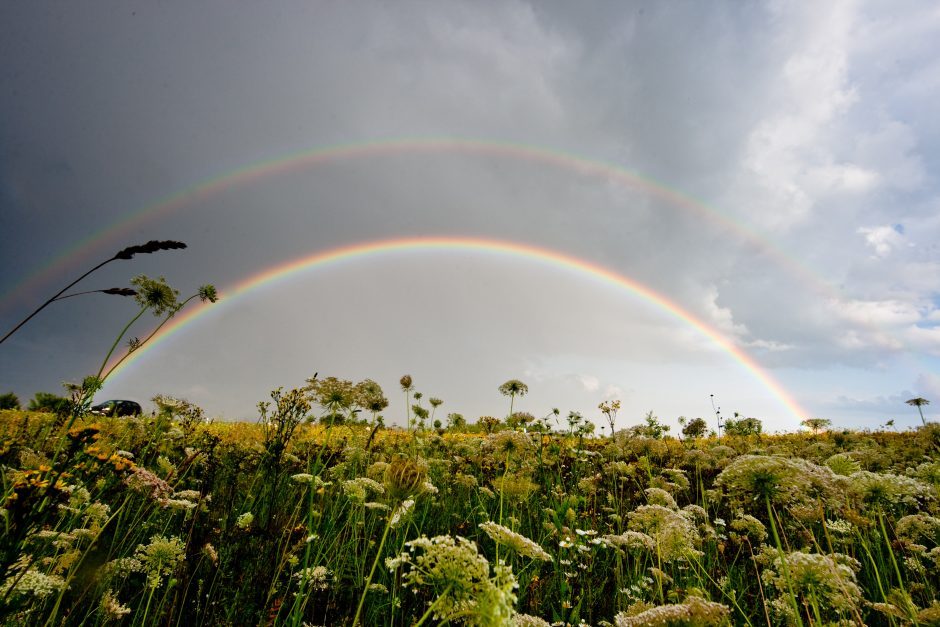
(323, 260)
(116, 234)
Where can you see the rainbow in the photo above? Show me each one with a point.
(367, 250)
(116, 234)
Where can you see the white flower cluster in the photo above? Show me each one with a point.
(674, 534)
(886, 490)
(694, 611)
(160, 558)
(400, 515)
(302, 477)
(459, 577)
(244, 520)
(632, 540)
(358, 489)
(112, 608)
(829, 580)
(786, 481)
(527, 620)
(918, 527)
(31, 583)
(314, 578)
(514, 541)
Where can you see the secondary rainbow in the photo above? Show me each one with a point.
(326, 258)
(117, 234)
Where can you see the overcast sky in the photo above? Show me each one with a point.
(808, 129)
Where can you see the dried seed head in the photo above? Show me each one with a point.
(150, 247)
(119, 291)
(403, 478)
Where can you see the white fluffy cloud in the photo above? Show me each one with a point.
(590, 383)
(882, 239)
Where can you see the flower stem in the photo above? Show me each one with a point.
(48, 302)
(431, 607)
(375, 562)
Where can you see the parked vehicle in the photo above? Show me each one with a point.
(117, 408)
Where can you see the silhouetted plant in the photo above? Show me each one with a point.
(337, 397)
(816, 424)
(695, 428)
(421, 414)
(435, 403)
(610, 409)
(512, 389)
(370, 397)
(918, 403)
(743, 426)
(574, 419)
(128, 253)
(407, 386)
(112, 291)
(278, 423)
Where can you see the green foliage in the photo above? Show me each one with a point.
(743, 426)
(48, 402)
(173, 519)
(337, 398)
(651, 428)
(817, 424)
(370, 397)
(9, 401)
(519, 420)
(695, 428)
(455, 421)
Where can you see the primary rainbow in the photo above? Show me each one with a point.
(117, 233)
(337, 255)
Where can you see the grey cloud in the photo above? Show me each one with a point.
(807, 125)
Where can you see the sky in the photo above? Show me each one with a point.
(731, 203)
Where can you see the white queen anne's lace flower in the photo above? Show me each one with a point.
(514, 541)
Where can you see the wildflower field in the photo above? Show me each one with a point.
(170, 520)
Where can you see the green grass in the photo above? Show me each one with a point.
(163, 521)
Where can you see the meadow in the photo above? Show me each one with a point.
(313, 516)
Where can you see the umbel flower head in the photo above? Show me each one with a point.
(694, 611)
(514, 541)
(920, 527)
(459, 577)
(674, 534)
(880, 491)
(829, 580)
(207, 293)
(155, 294)
(160, 558)
(753, 478)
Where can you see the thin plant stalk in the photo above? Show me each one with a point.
(375, 563)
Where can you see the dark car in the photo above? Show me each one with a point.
(117, 408)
